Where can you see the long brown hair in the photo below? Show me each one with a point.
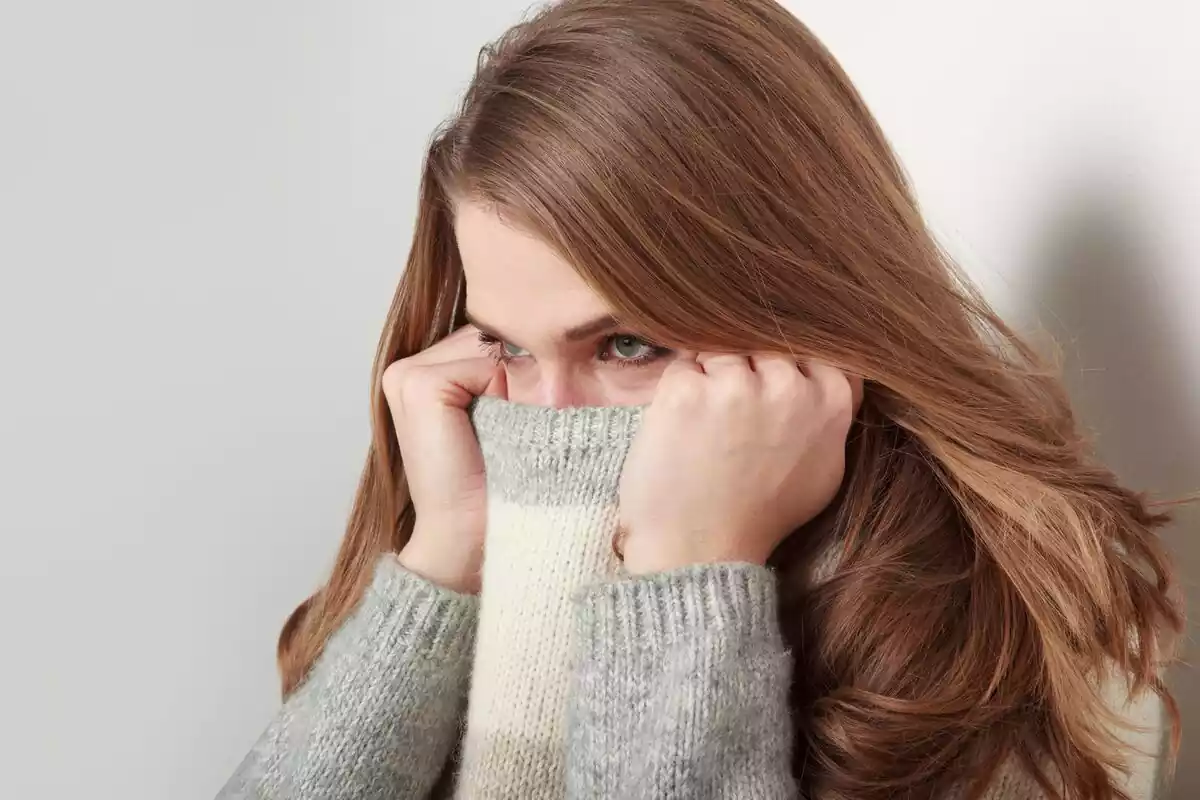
(709, 170)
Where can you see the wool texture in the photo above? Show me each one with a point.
(576, 679)
(552, 512)
(377, 715)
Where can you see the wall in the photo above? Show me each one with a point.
(207, 206)
(1052, 146)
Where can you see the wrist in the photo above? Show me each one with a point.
(644, 558)
(454, 571)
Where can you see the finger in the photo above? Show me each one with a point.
(780, 376)
(680, 381)
(725, 363)
(463, 343)
(833, 384)
(775, 364)
(684, 362)
(466, 378)
(858, 391)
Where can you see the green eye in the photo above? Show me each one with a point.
(512, 351)
(629, 347)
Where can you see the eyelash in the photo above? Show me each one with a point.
(495, 350)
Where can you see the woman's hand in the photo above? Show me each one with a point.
(428, 395)
(734, 454)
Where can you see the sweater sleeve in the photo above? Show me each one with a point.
(378, 715)
(680, 688)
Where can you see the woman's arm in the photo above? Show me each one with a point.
(680, 688)
(378, 715)
(680, 691)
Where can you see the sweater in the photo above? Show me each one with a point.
(578, 680)
(551, 516)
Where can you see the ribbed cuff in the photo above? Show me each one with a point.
(736, 601)
(402, 611)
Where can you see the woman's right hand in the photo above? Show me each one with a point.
(428, 394)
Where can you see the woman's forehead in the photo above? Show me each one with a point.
(520, 289)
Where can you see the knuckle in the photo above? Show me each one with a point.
(787, 386)
(394, 377)
(838, 400)
(405, 379)
(733, 387)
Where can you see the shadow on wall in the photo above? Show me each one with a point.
(1098, 292)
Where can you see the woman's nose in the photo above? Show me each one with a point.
(560, 388)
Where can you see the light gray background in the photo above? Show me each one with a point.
(205, 207)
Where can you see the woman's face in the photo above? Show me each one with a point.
(557, 339)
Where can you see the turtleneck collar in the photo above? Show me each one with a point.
(537, 455)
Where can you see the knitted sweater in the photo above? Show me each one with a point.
(552, 514)
(583, 681)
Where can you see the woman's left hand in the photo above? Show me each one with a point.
(734, 454)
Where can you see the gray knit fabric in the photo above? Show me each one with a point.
(541, 692)
(547, 457)
(378, 713)
(678, 684)
(645, 650)
(681, 689)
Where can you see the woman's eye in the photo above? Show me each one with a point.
(498, 349)
(628, 348)
(512, 351)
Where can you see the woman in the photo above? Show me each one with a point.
(861, 549)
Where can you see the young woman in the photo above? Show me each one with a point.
(775, 505)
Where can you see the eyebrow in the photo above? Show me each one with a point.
(576, 333)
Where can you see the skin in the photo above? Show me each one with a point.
(521, 293)
(754, 444)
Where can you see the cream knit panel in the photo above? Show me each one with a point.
(552, 512)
